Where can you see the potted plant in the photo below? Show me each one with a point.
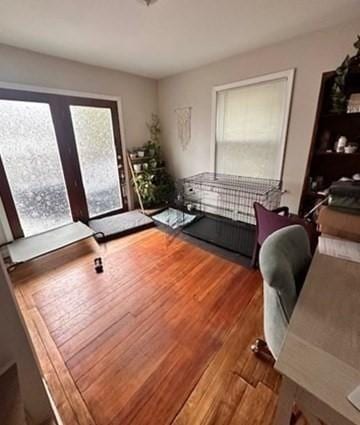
(151, 149)
(154, 128)
(338, 89)
(133, 155)
(146, 188)
(153, 163)
(155, 188)
(141, 153)
(164, 187)
(137, 168)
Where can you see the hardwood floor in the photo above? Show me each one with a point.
(161, 337)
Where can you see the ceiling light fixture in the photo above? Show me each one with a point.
(148, 2)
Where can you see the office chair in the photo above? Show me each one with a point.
(284, 261)
(268, 221)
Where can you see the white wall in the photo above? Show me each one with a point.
(311, 55)
(138, 94)
(139, 97)
(15, 347)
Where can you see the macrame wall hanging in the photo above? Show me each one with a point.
(183, 124)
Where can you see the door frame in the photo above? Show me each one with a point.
(44, 94)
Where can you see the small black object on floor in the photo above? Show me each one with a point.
(99, 268)
(233, 235)
(119, 225)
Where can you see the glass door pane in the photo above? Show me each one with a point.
(94, 136)
(30, 156)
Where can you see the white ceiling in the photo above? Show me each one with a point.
(168, 37)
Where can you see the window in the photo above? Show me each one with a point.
(250, 125)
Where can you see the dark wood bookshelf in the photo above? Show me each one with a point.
(323, 166)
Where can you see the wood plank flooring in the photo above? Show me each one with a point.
(161, 337)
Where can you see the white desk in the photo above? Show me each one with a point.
(320, 358)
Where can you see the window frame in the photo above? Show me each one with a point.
(289, 74)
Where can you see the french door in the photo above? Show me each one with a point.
(60, 160)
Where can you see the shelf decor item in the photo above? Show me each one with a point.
(353, 106)
(351, 148)
(340, 144)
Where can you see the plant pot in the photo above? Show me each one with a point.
(151, 152)
(140, 154)
(145, 166)
(137, 168)
(133, 156)
(153, 163)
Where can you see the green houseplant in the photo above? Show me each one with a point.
(155, 185)
(146, 187)
(338, 90)
(152, 147)
(339, 95)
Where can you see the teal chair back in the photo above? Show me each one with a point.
(284, 261)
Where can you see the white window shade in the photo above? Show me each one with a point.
(250, 128)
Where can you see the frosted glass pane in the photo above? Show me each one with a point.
(250, 122)
(97, 155)
(31, 160)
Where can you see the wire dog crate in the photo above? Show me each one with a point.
(225, 203)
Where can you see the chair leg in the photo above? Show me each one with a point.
(261, 347)
(255, 255)
(296, 416)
